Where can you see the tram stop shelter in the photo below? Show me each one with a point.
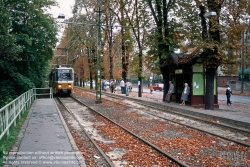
(188, 68)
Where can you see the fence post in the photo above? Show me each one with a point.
(25, 100)
(35, 93)
(7, 120)
(23, 107)
(1, 123)
(19, 108)
(14, 109)
(29, 96)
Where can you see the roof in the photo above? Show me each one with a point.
(180, 58)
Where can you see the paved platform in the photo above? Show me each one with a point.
(223, 114)
(45, 140)
(238, 113)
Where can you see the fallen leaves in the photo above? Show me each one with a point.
(191, 146)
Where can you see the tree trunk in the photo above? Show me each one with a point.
(140, 74)
(110, 54)
(214, 34)
(80, 82)
(123, 23)
(165, 75)
(110, 63)
(91, 79)
(210, 73)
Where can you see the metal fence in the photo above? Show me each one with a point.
(10, 112)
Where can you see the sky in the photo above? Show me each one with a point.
(64, 6)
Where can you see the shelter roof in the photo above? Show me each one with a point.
(180, 58)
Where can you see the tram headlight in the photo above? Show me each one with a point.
(59, 86)
(69, 85)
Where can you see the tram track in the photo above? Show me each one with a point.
(165, 108)
(137, 106)
(235, 134)
(173, 161)
(97, 151)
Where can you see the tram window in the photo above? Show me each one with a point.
(64, 75)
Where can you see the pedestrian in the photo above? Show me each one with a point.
(151, 88)
(229, 93)
(103, 85)
(185, 94)
(112, 86)
(122, 85)
(170, 92)
(127, 88)
(129, 85)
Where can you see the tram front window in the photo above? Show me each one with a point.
(65, 75)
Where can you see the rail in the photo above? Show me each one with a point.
(10, 112)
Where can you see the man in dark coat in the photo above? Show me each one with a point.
(228, 93)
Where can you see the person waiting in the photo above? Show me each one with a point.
(185, 94)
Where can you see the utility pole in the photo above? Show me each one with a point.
(98, 58)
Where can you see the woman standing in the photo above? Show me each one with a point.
(151, 88)
(185, 94)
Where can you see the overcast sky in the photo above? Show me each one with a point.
(64, 7)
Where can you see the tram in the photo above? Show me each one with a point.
(61, 79)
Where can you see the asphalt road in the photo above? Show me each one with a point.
(234, 98)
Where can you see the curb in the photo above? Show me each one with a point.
(71, 139)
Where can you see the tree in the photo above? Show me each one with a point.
(138, 20)
(29, 35)
(163, 42)
(215, 39)
(109, 19)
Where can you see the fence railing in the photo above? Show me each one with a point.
(10, 112)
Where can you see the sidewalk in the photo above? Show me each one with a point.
(44, 140)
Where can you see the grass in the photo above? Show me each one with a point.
(8, 141)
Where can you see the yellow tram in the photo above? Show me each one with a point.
(61, 80)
